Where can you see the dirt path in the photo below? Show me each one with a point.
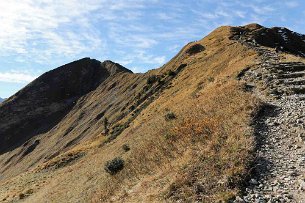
(279, 174)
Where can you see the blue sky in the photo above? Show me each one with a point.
(40, 35)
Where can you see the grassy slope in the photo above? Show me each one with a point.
(200, 155)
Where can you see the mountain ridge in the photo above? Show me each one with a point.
(196, 99)
(55, 91)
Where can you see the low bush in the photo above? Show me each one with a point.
(152, 79)
(126, 147)
(181, 67)
(114, 166)
(170, 116)
(116, 131)
(171, 73)
(194, 49)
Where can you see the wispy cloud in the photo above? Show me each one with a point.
(16, 77)
(292, 4)
(135, 32)
(46, 29)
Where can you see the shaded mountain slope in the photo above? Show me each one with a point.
(35, 110)
(187, 128)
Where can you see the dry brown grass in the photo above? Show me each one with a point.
(208, 148)
(200, 155)
(222, 146)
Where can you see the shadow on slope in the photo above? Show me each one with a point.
(42, 104)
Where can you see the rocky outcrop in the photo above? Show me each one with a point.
(280, 38)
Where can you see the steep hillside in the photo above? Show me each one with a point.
(30, 117)
(44, 102)
(185, 132)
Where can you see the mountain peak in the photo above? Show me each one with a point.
(253, 26)
(52, 95)
(78, 77)
(113, 67)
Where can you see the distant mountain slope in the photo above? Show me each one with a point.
(1, 100)
(42, 104)
(180, 133)
(47, 99)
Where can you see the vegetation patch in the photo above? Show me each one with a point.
(117, 130)
(221, 152)
(114, 166)
(170, 116)
(126, 147)
(61, 161)
(100, 115)
(152, 79)
(181, 67)
(214, 142)
(196, 48)
(149, 93)
(195, 93)
(171, 73)
(112, 86)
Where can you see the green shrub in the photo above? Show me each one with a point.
(114, 166)
(126, 147)
(152, 79)
(147, 87)
(116, 131)
(132, 107)
(170, 116)
(211, 79)
(106, 123)
(194, 49)
(181, 67)
(21, 196)
(171, 73)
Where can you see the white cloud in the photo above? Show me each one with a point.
(174, 48)
(259, 8)
(292, 4)
(47, 28)
(142, 57)
(16, 77)
(167, 16)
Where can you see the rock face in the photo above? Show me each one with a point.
(40, 105)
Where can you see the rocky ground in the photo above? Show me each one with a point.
(279, 174)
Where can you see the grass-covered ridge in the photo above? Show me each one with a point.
(188, 136)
